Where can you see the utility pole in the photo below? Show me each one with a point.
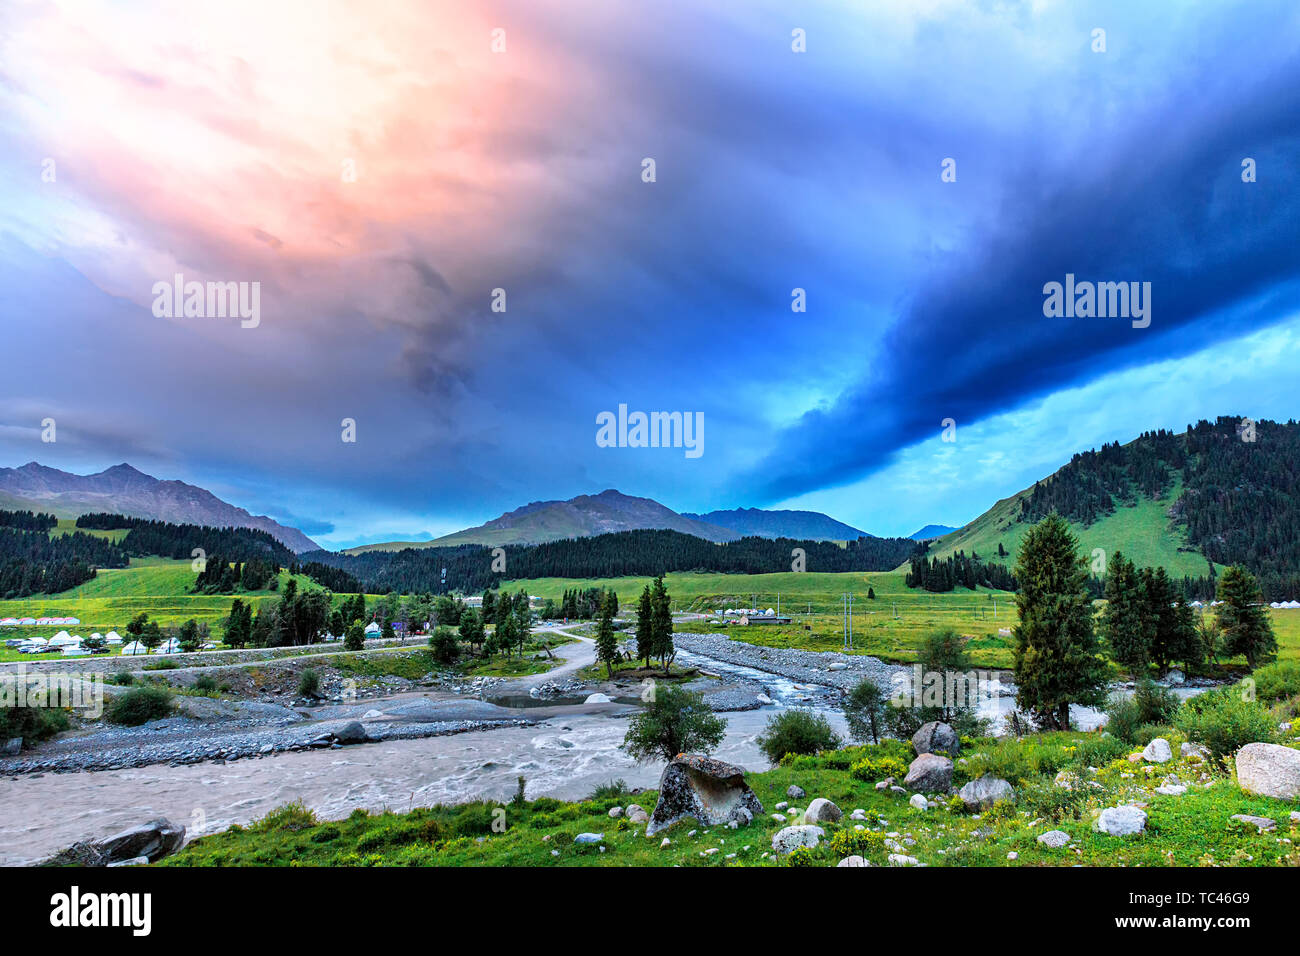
(850, 622)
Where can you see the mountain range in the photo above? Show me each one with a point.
(931, 531)
(128, 491)
(800, 525)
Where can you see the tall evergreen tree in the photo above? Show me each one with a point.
(661, 616)
(1243, 618)
(645, 640)
(1056, 652)
(606, 640)
(1126, 622)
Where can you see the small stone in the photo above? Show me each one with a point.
(589, 838)
(852, 861)
(899, 859)
(919, 801)
(1263, 823)
(1158, 751)
(665, 842)
(1122, 821)
(795, 792)
(822, 810)
(1013, 855)
(1054, 838)
(616, 812)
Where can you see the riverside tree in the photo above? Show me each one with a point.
(606, 640)
(645, 639)
(1126, 622)
(864, 710)
(1243, 618)
(1056, 652)
(355, 639)
(676, 721)
(471, 628)
(661, 625)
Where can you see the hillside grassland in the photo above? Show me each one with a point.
(1142, 531)
(1191, 829)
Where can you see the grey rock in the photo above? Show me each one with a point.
(929, 773)
(1270, 770)
(985, 792)
(588, 838)
(1054, 838)
(13, 746)
(153, 840)
(352, 733)
(853, 861)
(1158, 751)
(822, 811)
(900, 859)
(795, 792)
(936, 737)
(1263, 823)
(711, 791)
(792, 838)
(918, 801)
(1175, 676)
(1122, 821)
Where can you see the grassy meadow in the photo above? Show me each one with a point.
(1190, 829)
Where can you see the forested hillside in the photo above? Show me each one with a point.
(470, 568)
(1223, 492)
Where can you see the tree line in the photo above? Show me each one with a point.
(959, 570)
(650, 553)
(32, 562)
(28, 521)
(166, 539)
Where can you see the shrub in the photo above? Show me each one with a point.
(1042, 798)
(123, 678)
(878, 767)
(803, 856)
(163, 665)
(1126, 717)
(32, 724)
(796, 731)
(205, 683)
(614, 790)
(1224, 721)
(309, 683)
(863, 843)
(446, 649)
(355, 638)
(139, 706)
(326, 833)
(1277, 681)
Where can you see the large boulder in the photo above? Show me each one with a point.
(822, 810)
(1158, 751)
(1270, 770)
(929, 773)
(792, 838)
(986, 791)
(935, 738)
(153, 840)
(711, 791)
(352, 733)
(1122, 821)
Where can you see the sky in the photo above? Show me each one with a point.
(458, 246)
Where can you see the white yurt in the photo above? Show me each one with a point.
(133, 649)
(169, 647)
(373, 628)
(113, 638)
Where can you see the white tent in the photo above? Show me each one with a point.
(37, 640)
(74, 650)
(114, 638)
(169, 647)
(133, 649)
(373, 628)
(62, 638)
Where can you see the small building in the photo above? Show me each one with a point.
(764, 619)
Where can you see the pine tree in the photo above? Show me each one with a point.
(1126, 622)
(645, 626)
(661, 616)
(1056, 653)
(606, 641)
(1243, 618)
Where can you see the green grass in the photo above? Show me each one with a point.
(1189, 830)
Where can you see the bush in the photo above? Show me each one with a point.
(796, 731)
(309, 683)
(446, 649)
(1277, 681)
(877, 767)
(614, 790)
(1128, 718)
(123, 678)
(32, 724)
(355, 638)
(863, 843)
(1224, 721)
(205, 683)
(139, 706)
